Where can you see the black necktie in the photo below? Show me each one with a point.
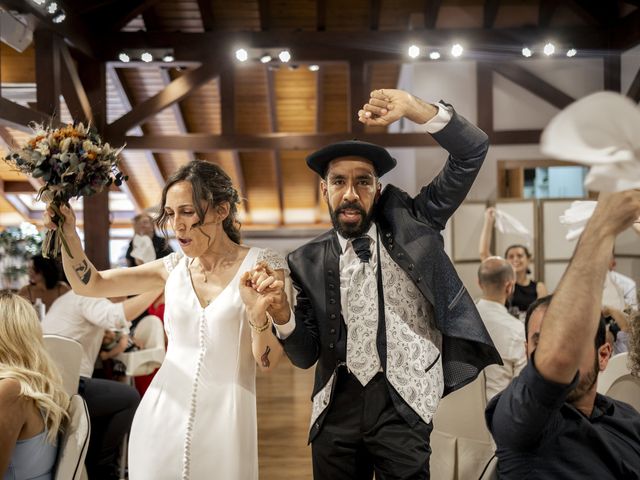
(361, 247)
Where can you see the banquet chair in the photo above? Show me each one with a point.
(460, 441)
(67, 354)
(150, 332)
(74, 442)
(618, 383)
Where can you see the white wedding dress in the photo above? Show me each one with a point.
(197, 420)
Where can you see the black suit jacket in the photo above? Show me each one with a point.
(409, 228)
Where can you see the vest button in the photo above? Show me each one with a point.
(332, 330)
(332, 316)
(400, 255)
(331, 286)
(418, 280)
(388, 234)
(331, 345)
(332, 301)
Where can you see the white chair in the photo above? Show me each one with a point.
(460, 442)
(618, 383)
(67, 354)
(74, 442)
(150, 332)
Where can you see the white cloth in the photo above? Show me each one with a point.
(628, 286)
(362, 330)
(577, 216)
(612, 294)
(143, 248)
(507, 333)
(84, 319)
(198, 418)
(506, 223)
(601, 131)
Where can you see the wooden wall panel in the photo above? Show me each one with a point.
(16, 67)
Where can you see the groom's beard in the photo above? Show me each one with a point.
(351, 230)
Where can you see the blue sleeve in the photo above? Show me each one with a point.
(519, 417)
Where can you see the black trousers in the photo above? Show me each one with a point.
(363, 433)
(111, 407)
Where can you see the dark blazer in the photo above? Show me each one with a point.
(409, 228)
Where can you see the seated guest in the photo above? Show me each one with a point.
(33, 403)
(617, 329)
(627, 285)
(113, 344)
(44, 282)
(111, 404)
(141, 250)
(550, 422)
(497, 278)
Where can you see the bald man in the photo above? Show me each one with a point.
(497, 279)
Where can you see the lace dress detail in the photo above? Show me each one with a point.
(275, 260)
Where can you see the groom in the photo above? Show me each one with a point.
(380, 307)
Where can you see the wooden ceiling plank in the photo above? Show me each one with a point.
(174, 92)
(16, 186)
(18, 205)
(132, 10)
(265, 15)
(490, 13)
(237, 165)
(431, 11)
(226, 83)
(484, 86)
(533, 83)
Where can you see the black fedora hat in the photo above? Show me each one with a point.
(383, 162)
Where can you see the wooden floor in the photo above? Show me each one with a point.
(284, 408)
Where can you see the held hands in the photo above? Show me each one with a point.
(262, 290)
(385, 106)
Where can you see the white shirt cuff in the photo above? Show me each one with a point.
(437, 123)
(286, 329)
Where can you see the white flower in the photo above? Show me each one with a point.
(64, 145)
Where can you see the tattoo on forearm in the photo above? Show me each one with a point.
(265, 358)
(83, 271)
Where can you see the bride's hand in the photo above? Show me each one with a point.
(260, 289)
(67, 213)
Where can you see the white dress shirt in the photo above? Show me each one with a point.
(84, 319)
(628, 286)
(507, 333)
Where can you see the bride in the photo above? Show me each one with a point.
(198, 417)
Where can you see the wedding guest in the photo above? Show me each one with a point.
(44, 282)
(33, 403)
(141, 250)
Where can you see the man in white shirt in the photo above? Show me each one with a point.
(111, 404)
(497, 279)
(625, 284)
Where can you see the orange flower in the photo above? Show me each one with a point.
(91, 155)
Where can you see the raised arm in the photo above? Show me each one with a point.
(487, 232)
(466, 144)
(86, 280)
(572, 317)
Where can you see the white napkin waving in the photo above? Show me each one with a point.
(506, 223)
(576, 217)
(143, 249)
(602, 131)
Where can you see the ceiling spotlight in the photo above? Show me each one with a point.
(414, 51)
(39, 2)
(52, 7)
(434, 55)
(457, 50)
(266, 58)
(59, 18)
(526, 52)
(571, 52)
(146, 57)
(314, 68)
(242, 55)
(549, 49)
(168, 58)
(123, 57)
(284, 56)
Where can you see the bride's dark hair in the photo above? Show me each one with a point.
(210, 184)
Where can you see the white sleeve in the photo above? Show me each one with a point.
(283, 331)
(103, 313)
(437, 123)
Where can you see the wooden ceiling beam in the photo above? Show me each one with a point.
(227, 93)
(125, 97)
(299, 141)
(178, 114)
(265, 15)
(10, 142)
(72, 88)
(119, 19)
(206, 14)
(634, 89)
(16, 186)
(431, 11)
(16, 116)
(48, 72)
(242, 185)
(536, 85)
(344, 46)
(626, 34)
(490, 13)
(374, 14)
(546, 10)
(174, 92)
(321, 15)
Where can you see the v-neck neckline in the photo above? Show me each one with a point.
(226, 287)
